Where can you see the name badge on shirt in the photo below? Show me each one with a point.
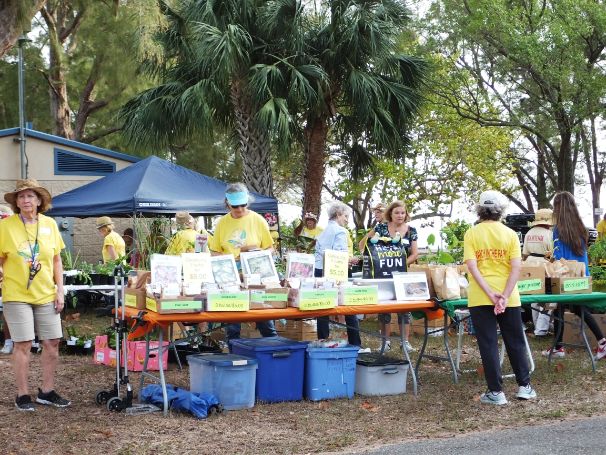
(45, 231)
(405, 241)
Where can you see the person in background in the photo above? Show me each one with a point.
(570, 242)
(378, 212)
(601, 228)
(129, 240)
(538, 248)
(395, 224)
(5, 212)
(184, 240)
(32, 288)
(241, 230)
(113, 244)
(492, 254)
(334, 237)
(308, 227)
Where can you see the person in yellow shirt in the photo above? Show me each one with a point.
(184, 240)
(601, 228)
(32, 288)
(308, 227)
(113, 243)
(241, 230)
(493, 257)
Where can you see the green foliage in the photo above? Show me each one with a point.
(453, 234)
(151, 236)
(597, 252)
(70, 261)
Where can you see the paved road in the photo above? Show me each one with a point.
(570, 437)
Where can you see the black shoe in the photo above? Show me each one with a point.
(52, 398)
(24, 403)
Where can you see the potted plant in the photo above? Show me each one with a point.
(84, 273)
(70, 266)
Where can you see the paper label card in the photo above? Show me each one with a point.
(228, 301)
(224, 270)
(262, 296)
(361, 295)
(260, 262)
(336, 265)
(530, 285)
(411, 286)
(166, 271)
(196, 269)
(317, 300)
(300, 265)
(577, 284)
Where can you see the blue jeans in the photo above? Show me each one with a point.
(267, 329)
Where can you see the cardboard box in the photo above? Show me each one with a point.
(136, 298)
(571, 285)
(180, 304)
(262, 299)
(299, 330)
(313, 299)
(532, 279)
(417, 326)
(249, 330)
(572, 329)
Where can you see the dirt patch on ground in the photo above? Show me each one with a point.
(442, 409)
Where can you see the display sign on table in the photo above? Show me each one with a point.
(166, 273)
(336, 265)
(359, 295)
(225, 272)
(196, 269)
(411, 286)
(300, 265)
(261, 262)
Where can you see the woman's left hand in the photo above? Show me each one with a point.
(59, 303)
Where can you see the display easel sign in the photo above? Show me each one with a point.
(336, 265)
(411, 286)
(166, 273)
(225, 272)
(300, 265)
(260, 262)
(196, 269)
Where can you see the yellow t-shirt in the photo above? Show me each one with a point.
(231, 234)
(349, 244)
(113, 239)
(16, 251)
(493, 245)
(184, 241)
(601, 228)
(311, 233)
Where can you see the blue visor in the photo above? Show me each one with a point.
(238, 198)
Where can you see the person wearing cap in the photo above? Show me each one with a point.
(538, 247)
(113, 244)
(308, 227)
(493, 256)
(184, 240)
(32, 288)
(241, 230)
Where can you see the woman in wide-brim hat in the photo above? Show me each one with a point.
(32, 288)
(309, 226)
(184, 240)
(114, 246)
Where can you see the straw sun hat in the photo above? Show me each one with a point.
(543, 216)
(104, 221)
(184, 219)
(30, 184)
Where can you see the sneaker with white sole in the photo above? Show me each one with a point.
(497, 398)
(526, 392)
(7, 348)
(601, 353)
(364, 350)
(52, 398)
(24, 403)
(555, 353)
(408, 346)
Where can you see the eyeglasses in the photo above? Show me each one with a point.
(238, 206)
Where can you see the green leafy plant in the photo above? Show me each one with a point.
(453, 234)
(70, 261)
(84, 271)
(597, 252)
(151, 236)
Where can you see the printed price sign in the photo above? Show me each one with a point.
(530, 285)
(336, 264)
(317, 300)
(228, 301)
(578, 284)
(262, 296)
(361, 295)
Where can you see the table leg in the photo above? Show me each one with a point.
(413, 374)
(586, 342)
(423, 346)
(455, 377)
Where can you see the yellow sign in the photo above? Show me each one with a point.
(361, 295)
(228, 301)
(130, 300)
(336, 265)
(318, 300)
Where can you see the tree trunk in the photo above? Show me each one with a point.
(316, 133)
(254, 143)
(565, 161)
(15, 16)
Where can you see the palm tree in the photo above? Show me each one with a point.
(371, 91)
(224, 64)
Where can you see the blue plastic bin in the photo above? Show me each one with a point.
(231, 378)
(281, 366)
(330, 372)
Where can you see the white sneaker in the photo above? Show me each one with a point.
(497, 398)
(555, 353)
(8, 347)
(601, 351)
(408, 346)
(526, 392)
(363, 350)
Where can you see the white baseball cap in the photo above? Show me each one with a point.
(493, 200)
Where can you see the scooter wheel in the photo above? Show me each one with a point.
(102, 397)
(114, 404)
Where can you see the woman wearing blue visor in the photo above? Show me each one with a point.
(241, 230)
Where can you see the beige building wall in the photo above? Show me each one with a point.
(41, 166)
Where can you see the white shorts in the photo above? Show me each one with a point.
(26, 320)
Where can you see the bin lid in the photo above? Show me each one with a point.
(375, 359)
(269, 343)
(222, 360)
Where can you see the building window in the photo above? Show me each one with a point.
(71, 163)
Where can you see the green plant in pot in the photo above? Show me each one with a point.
(84, 273)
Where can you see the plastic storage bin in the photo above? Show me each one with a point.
(281, 366)
(330, 372)
(380, 375)
(230, 377)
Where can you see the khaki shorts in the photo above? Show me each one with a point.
(26, 320)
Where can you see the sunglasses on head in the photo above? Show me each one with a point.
(238, 206)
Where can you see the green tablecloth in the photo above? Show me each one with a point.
(595, 301)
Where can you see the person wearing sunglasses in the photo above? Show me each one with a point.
(241, 230)
(32, 288)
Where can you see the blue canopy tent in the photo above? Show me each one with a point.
(152, 186)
